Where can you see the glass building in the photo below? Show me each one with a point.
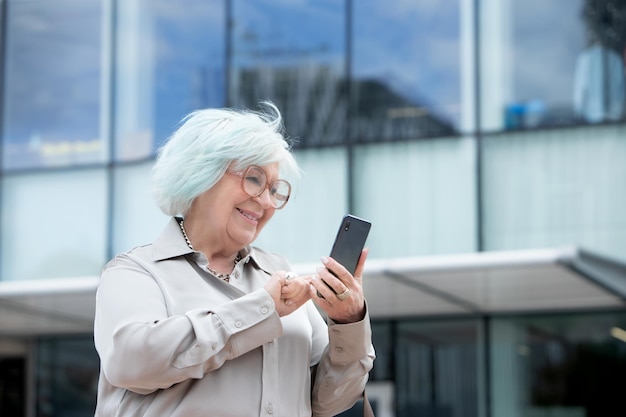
(484, 139)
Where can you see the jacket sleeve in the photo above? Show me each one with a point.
(343, 369)
(142, 349)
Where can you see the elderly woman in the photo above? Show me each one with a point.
(201, 323)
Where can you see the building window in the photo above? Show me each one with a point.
(536, 73)
(406, 70)
(294, 55)
(567, 365)
(67, 377)
(169, 62)
(437, 368)
(52, 97)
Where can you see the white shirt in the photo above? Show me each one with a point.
(174, 340)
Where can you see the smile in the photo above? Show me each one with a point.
(248, 215)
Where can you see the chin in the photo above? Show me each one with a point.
(248, 238)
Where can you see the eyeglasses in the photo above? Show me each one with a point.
(254, 183)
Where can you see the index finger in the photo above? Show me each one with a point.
(360, 266)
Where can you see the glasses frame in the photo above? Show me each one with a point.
(268, 185)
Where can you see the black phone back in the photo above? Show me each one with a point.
(350, 241)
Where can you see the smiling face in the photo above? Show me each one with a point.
(227, 216)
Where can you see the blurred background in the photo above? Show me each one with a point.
(484, 139)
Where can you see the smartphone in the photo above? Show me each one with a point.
(349, 242)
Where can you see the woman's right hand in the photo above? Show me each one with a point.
(288, 294)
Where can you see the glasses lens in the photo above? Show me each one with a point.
(254, 181)
(280, 191)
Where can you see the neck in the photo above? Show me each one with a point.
(218, 262)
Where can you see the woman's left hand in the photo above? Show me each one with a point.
(288, 294)
(344, 301)
(295, 289)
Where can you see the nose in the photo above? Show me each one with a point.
(264, 199)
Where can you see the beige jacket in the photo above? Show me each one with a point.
(175, 341)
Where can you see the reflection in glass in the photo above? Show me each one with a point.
(67, 377)
(406, 69)
(535, 73)
(600, 77)
(169, 62)
(560, 365)
(52, 84)
(293, 55)
(437, 368)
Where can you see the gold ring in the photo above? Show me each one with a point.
(289, 276)
(344, 294)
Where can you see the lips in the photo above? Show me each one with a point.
(249, 215)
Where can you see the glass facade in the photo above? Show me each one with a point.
(556, 188)
(52, 84)
(437, 370)
(67, 377)
(435, 213)
(557, 365)
(454, 127)
(53, 224)
(406, 70)
(295, 54)
(168, 59)
(539, 74)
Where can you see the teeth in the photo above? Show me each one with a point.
(248, 216)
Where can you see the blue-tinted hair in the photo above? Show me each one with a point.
(198, 153)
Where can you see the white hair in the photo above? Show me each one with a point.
(197, 155)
